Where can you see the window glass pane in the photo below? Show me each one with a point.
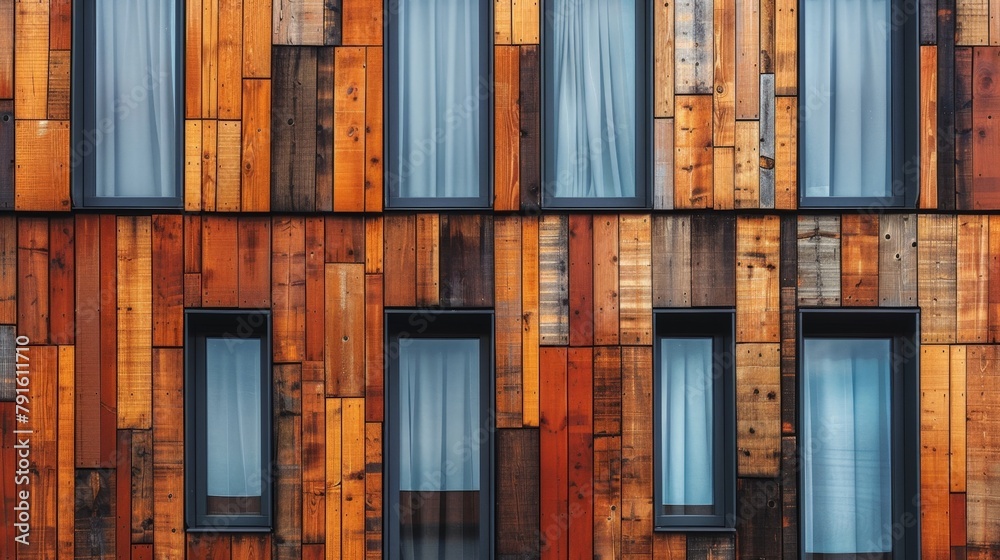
(845, 108)
(232, 394)
(687, 425)
(591, 114)
(846, 446)
(442, 96)
(135, 102)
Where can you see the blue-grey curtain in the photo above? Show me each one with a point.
(441, 99)
(136, 99)
(233, 416)
(591, 123)
(845, 102)
(846, 446)
(686, 418)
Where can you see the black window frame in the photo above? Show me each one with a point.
(484, 200)
(401, 325)
(902, 325)
(904, 61)
(643, 115)
(83, 66)
(720, 324)
(199, 324)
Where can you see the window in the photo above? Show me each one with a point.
(595, 103)
(440, 87)
(859, 435)
(127, 127)
(695, 462)
(227, 395)
(859, 107)
(438, 443)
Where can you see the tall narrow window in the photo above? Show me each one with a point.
(228, 396)
(595, 103)
(439, 103)
(439, 448)
(694, 431)
(859, 425)
(859, 103)
(127, 103)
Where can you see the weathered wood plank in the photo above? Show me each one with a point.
(929, 126)
(345, 239)
(254, 238)
(944, 24)
(928, 21)
(525, 21)
(428, 259)
(758, 304)
(786, 23)
(287, 411)
(228, 189)
(59, 84)
(502, 22)
(64, 450)
(934, 451)
(963, 139)
(210, 163)
(61, 276)
(530, 331)
(767, 138)
(345, 330)
(325, 64)
(374, 144)
(972, 279)
(786, 153)
(288, 289)
(819, 260)
(607, 496)
(758, 409)
(789, 324)
(747, 59)
(349, 130)
(41, 164)
(209, 59)
(7, 139)
(635, 279)
(90, 298)
(95, 510)
(315, 297)
(972, 22)
(517, 493)
(8, 490)
(31, 65)
(257, 38)
(140, 486)
(374, 348)
(746, 168)
(313, 459)
(135, 315)
(193, 57)
(983, 432)
(581, 451)
(219, 252)
(581, 280)
(723, 178)
(507, 298)
(168, 445)
(957, 428)
(606, 265)
(663, 164)
(230, 49)
(400, 260)
(362, 20)
(293, 129)
(334, 474)
(671, 249)
(985, 129)
(374, 245)
(711, 547)
(297, 22)
(553, 453)
(897, 260)
(724, 92)
(209, 546)
(859, 271)
(466, 261)
(693, 152)
(637, 451)
(506, 129)
(531, 128)
(759, 523)
(553, 280)
(789, 499)
(373, 490)
(993, 297)
(663, 59)
(607, 391)
(936, 263)
(693, 54)
(713, 260)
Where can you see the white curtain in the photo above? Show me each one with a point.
(845, 107)
(136, 103)
(846, 446)
(687, 421)
(593, 80)
(232, 394)
(441, 98)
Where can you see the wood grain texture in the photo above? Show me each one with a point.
(466, 261)
(31, 65)
(693, 152)
(293, 129)
(7, 157)
(983, 429)
(607, 391)
(373, 490)
(254, 264)
(713, 260)
(553, 280)
(993, 297)
(7, 49)
(59, 85)
(362, 20)
(109, 339)
(767, 138)
(748, 59)
(958, 462)
(287, 482)
(517, 493)
(607, 496)
(90, 298)
(297, 22)
(349, 128)
(963, 139)
(972, 279)
(168, 445)
(374, 348)
(530, 330)
(531, 129)
(693, 54)
(759, 525)
(723, 178)
(928, 127)
(507, 306)
(758, 304)
(554, 453)
(934, 451)
(635, 279)
(580, 436)
(897, 260)
(758, 409)
(786, 153)
(506, 129)
(789, 499)
(944, 27)
(936, 262)
(663, 164)
(711, 547)
(746, 168)
(140, 487)
(374, 141)
(345, 330)
(168, 281)
(288, 289)
(972, 22)
(228, 187)
(325, 66)
(230, 48)
(210, 163)
(724, 92)
(315, 288)
(606, 279)
(985, 129)
(400, 260)
(95, 509)
(61, 276)
(786, 22)
(428, 259)
(525, 19)
(8, 270)
(41, 172)
(637, 451)
(134, 319)
(64, 449)
(334, 474)
(859, 271)
(581, 280)
(257, 38)
(209, 59)
(42, 476)
(219, 249)
(663, 59)
(671, 249)
(819, 260)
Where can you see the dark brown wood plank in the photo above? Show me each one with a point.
(758, 522)
(711, 547)
(123, 491)
(62, 298)
(333, 22)
(141, 482)
(531, 132)
(7, 154)
(400, 262)
(95, 513)
(466, 261)
(607, 496)
(517, 493)
(324, 128)
(963, 128)
(168, 280)
(288, 458)
(293, 129)
(789, 499)
(713, 260)
(607, 391)
(928, 21)
(946, 90)
(345, 239)
(581, 280)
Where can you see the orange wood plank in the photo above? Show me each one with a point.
(192, 59)
(257, 38)
(62, 303)
(507, 129)
(400, 260)
(554, 457)
(607, 497)
(693, 152)
(748, 59)
(529, 323)
(219, 261)
(288, 288)
(315, 296)
(254, 262)
(606, 318)
(724, 92)
(228, 170)
(230, 58)
(758, 409)
(123, 491)
(581, 280)
(255, 194)
(428, 258)
(637, 451)
(985, 128)
(33, 279)
(786, 27)
(507, 298)
(374, 348)
(957, 427)
(210, 163)
(59, 84)
(43, 475)
(66, 474)
(352, 507)
(135, 317)
(934, 449)
(983, 433)
(746, 165)
(41, 166)
(209, 59)
(373, 490)
(349, 129)
(635, 279)
(345, 330)
(972, 279)
(362, 20)
(374, 245)
(723, 178)
(88, 341)
(31, 65)
(168, 282)
(334, 478)
(663, 164)
(249, 546)
(936, 269)
(928, 127)
(109, 340)
(859, 271)
(6, 49)
(580, 447)
(345, 239)
(192, 165)
(758, 307)
(168, 452)
(374, 147)
(502, 22)
(786, 152)
(607, 391)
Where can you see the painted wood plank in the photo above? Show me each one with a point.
(288, 288)
(553, 280)
(986, 131)
(723, 178)
(333, 22)
(168, 282)
(663, 164)
(374, 143)
(506, 129)
(983, 432)
(257, 38)
(713, 260)
(554, 453)
(936, 263)
(59, 84)
(972, 22)
(325, 64)
(374, 348)
(507, 298)
(7, 49)
(928, 126)
(373, 490)
(64, 449)
(746, 168)
(315, 297)
(964, 178)
(293, 129)
(759, 525)
(786, 153)
(758, 409)
(297, 22)
(767, 138)
(41, 164)
(400, 260)
(42, 476)
(210, 163)
(428, 259)
(230, 51)
(859, 271)
(31, 65)
(605, 270)
(209, 58)
(228, 189)
(637, 450)
(287, 411)
(89, 297)
(581, 451)
(334, 474)
(693, 152)
(897, 260)
(313, 459)
(254, 290)
(724, 92)
(530, 330)
(747, 59)
(671, 249)
(466, 261)
(789, 499)
(134, 319)
(95, 510)
(255, 148)
(61, 275)
(362, 20)
(140, 487)
(345, 330)
(109, 340)
(972, 289)
(758, 305)
(349, 128)
(517, 493)
(934, 451)
(525, 16)
(7, 139)
(635, 279)
(531, 128)
(607, 496)
(957, 414)
(581, 280)
(693, 53)
(819, 260)
(192, 165)
(219, 251)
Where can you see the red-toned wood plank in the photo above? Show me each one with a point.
(123, 492)
(7, 51)
(581, 280)
(507, 129)
(400, 260)
(606, 281)
(192, 243)
(313, 461)
(428, 259)
(554, 453)
(43, 419)
(66, 471)
(250, 546)
(61, 276)
(637, 450)
(859, 271)
(986, 127)
(288, 288)
(374, 144)
(88, 337)
(345, 330)
(956, 513)
(963, 128)
(33, 279)
(219, 261)
(374, 348)
(256, 146)
(209, 546)
(288, 460)
(255, 262)
(168, 280)
(315, 342)
(109, 340)
(345, 239)
(581, 451)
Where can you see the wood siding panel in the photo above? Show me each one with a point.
(466, 261)
(972, 279)
(530, 334)
(713, 260)
(288, 289)
(758, 303)
(41, 162)
(554, 453)
(786, 153)
(637, 451)
(531, 128)
(134, 320)
(297, 22)
(957, 431)
(859, 271)
(168, 280)
(553, 280)
(345, 330)
(293, 129)
(219, 258)
(255, 195)
(663, 59)
(400, 260)
(507, 129)
(724, 92)
(748, 59)
(349, 129)
(693, 56)
(897, 260)
(985, 123)
(758, 409)
(819, 260)
(636, 279)
(507, 297)
(934, 451)
(31, 65)
(693, 152)
(937, 272)
(581, 280)
(606, 279)
(671, 248)
(581, 452)
(517, 493)
(983, 428)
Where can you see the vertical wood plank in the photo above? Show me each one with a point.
(41, 164)
(693, 56)
(345, 239)
(31, 65)
(934, 451)
(59, 84)
(993, 299)
(7, 136)
(374, 142)
(466, 261)
(986, 131)
(293, 129)
(671, 248)
(288, 289)
(767, 138)
(758, 409)
(506, 129)
(209, 58)
(936, 262)
(711, 547)
(789, 324)
(897, 260)
(747, 59)
(230, 50)
(553, 280)
(257, 38)
(983, 432)
(374, 348)
(315, 289)
(957, 413)
(531, 128)
(168, 446)
(254, 265)
(65, 461)
(972, 22)
(109, 339)
(42, 476)
(723, 178)
(7, 49)
(946, 88)
(287, 390)
(663, 59)
(606, 266)
(334, 475)
(581, 452)
(427, 259)
(507, 298)
(928, 127)
(758, 304)
(333, 22)
(972, 279)
(140, 487)
(554, 453)
(789, 499)
(637, 450)
(786, 153)
(210, 163)
(724, 92)
(95, 508)
(581, 280)
(713, 260)
(345, 330)
(746, 169)
(859, 271)
(168, 282)
(349, 128)
(219, 250)
(325, 64)
(759, 529)
(256, 170)
(297, 22)
(362, 20)
(134, 319)
(607, 496)
(663, 164)
(693, 152)
(61, 275)
(819, 260)
(517, 493)
(89, 297)
(635, 279)
(228, 189)
(607, 391)
(373, 490)
(963, 139)
(525, 21)
(530, 330)
(193, 56)
(8, 270)
(353, 476)
(400, 260)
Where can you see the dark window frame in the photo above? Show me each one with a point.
(401, 325)
(484, 200)
(643, 113)
(199, 324)
(904, 61)
(82, 119)
(720, 324)
(902, 325)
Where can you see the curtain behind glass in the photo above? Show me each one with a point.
(592, 120)
(136, 85)
(440, 99)
(439, 448)
(232, 394)
(847, 446)
(846, 105)
(687, 421)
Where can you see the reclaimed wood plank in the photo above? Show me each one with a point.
(663, 164)
(767, 139)
(362, 21)
(255, 195)
(168, 445)
(219, 257)
(663, 59)
(637, 451)
(758, 304)
(209, 546)
(297, 22)
(288, 289)
(819, 260)
(946, 88)
(786, 153)
(957, 423)
(42, 476)
(759, 523)
(95, 508)
(228, 187)
(210, 163)
(466, 261)
(230, 49)
(768, 14)
(345, 330)
(349, 128)
(293, 129)
(580, 437)
(581, 280)
(373, 490)
(7, 139)
(345, 239)
(192, 165)
(993, 297)
(693, 152)
(257, 38)
(525, 16)
(758, 409)
(333, 22)
(428, 259)
(607, 496)
(59, 84)
(517, 493)
(41, 164)
(7, 49)
(746, 165)
(747, 59)
(531, 128)
(287, 411)
(789, 325)
(325, 64)
(400, 260)
(315, 296)
(374, 246)
(963, 139)
(64, 450)
(897, 260)
(789, 499)
(109, 339)
(553, 281)
(929, 127)
(135, 310)
(972, 22)
(135, 487)
(31, 65)
(530, 331)
(928, 22)
(972, 279)
(8, 490)
(246, 545)
(553, 453)
(934, 451)
(507, 306)
(334, 474)
(859, 272)
(723, 178)
(506, 129)
(374, 143)
(254, 265)
(313, 459)
(986, 132)
(90, 298)
(374, 348)
(606, 267)
(958, 521)
(8, 270)
(711, 547)
(693, 52)
(635, 279)
(168, 282)
(607, 391)
(724, 92)
(983, 432)
(62, 304)
(192, 59)
(713, 260)
(671, 249)
(936, 263)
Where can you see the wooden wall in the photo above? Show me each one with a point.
(283, 211)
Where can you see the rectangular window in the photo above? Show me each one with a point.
(595, 103)
(438, 402)
(859, 430)
(859, 108)
(127, 119)
(694, 432)
(439, 111)
(228, 419)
